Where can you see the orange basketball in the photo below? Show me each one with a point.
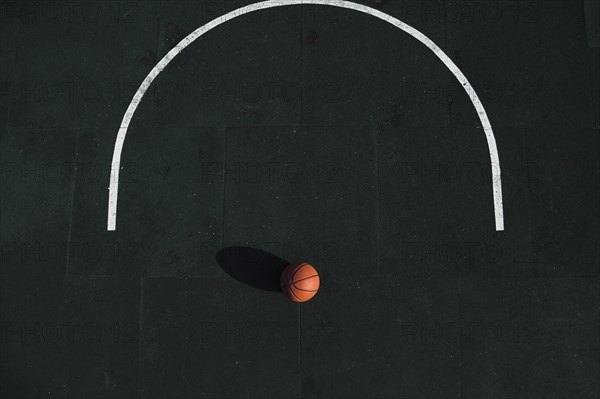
(299, 282)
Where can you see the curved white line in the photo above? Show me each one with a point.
(485, 123)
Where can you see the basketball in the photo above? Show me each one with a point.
(300, 282)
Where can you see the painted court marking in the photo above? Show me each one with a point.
(485, 123)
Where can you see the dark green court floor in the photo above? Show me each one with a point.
(315, 134)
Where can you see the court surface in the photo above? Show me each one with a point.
(296, 133)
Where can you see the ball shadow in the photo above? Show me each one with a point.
(252, 266)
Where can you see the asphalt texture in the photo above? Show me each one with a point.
(302, 133)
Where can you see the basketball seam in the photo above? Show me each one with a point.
(295, 286)
(293, 274)
(285, 276)
(300, 289)
(302, 279)
(295, 296)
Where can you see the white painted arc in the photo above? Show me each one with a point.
(485, 123)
